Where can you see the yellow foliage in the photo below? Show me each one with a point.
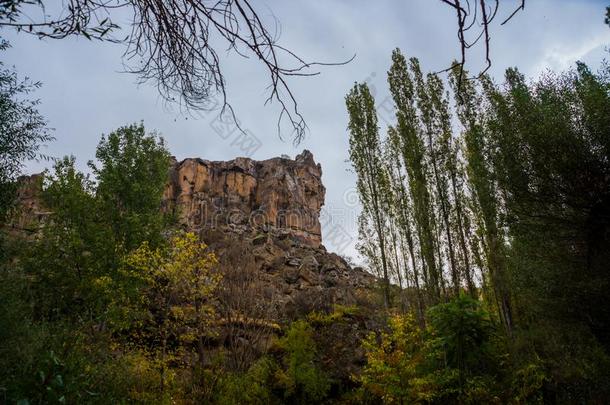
(339, 313)
(392, 360)
(178, 282)
(180, 279)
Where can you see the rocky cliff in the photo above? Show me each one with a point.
(270, 208)
(279, 195)
(268, 214)
(261, 219)
(30, 212)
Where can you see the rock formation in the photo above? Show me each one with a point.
(30, 212)
(269, 208)
(277, 195)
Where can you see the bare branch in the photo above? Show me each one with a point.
(521, 7)
(176, 44)
(481, 13)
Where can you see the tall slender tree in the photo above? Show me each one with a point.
(434, 118)
(403, 209)
(365, 155)
(413, 152)
(484, 192)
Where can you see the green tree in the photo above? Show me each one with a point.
(132, 173)
(302, 379)
(366, 158)
(73, 250)
(483, 188)
(402, 209)
(56, 319)
(462, 352)
(391, 196)
(413, 152)
(22, 130)
(461, 328)
(435, 120)
(551, 146)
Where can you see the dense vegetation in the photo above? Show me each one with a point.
(508, 204)
(486, 216)
(22, 129)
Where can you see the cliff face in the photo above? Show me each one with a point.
(265, 212)
(264, 216)
(261, 220)
(277, 195)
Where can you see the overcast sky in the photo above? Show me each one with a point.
(84, 95)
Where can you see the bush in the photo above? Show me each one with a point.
(339, 313)
(302, 380)
(253, 387)
(454, 360)
(461, 331)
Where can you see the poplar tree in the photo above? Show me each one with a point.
(366, 159)
(413, 152)
(434, 118)
(367, 244)
(462, 219)
(484, 192)
(451, 178)
(403, 209)
(394, 213)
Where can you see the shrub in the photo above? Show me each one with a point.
(393, 358)
(253, 387)
(302, 381)
(339, 313)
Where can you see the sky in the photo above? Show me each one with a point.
(85, 94)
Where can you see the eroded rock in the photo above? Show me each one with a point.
(278, 195)
(269, 207)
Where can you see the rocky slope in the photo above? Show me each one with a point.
(269, 208)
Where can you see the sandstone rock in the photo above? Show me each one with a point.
(260, 239)
(291, 275)
(330, 279)
(310, 263)
(29, 211)
(306, 279)
(277, 195)
(271, 206)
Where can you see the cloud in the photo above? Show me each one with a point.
(84, 95)
(561, 57)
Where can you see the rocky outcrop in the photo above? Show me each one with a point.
(299, 278)
(278, 195)
(267, 213)
(29, 211)
(269, 208)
